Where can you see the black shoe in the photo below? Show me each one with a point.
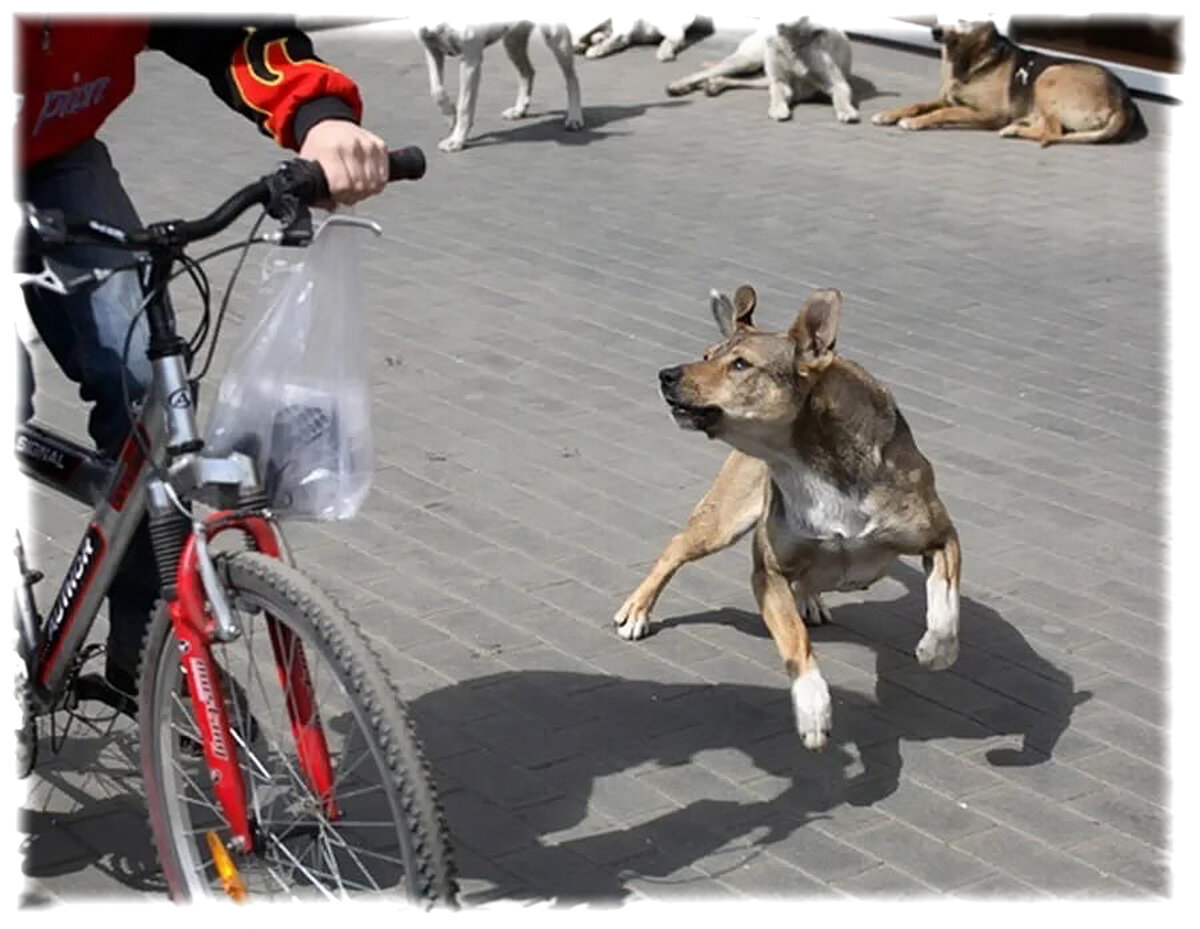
(121, 674)
(95, 687)
(118, 688)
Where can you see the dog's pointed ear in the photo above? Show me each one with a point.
(732, 315)
(816, 327)
(722, 311)
(744, 302)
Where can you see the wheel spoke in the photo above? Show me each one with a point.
(335, 838)
(299, 849)
(200, 798)
(344, 795)
(365, 753)
(296, 863)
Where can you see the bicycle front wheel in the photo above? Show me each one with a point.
(387, 834)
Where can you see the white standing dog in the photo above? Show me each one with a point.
(801, 60)
(468, 42)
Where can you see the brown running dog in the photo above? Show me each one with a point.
(824, 471)
(989, 82)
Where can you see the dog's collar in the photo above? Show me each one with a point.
(1029, 66)
(1025, 72)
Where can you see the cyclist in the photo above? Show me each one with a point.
(71, 75)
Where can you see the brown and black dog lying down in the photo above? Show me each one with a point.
(989, 82)
(824, 471)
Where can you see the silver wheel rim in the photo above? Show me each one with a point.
(301, 853)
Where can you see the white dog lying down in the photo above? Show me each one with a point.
(620, 32)
(469, 42)
(801, 60)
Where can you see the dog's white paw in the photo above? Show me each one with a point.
(847, 116)
(1009, 131)
(633, 619)
(573, 122)
(451, 143)
(515, 112)
(907, 124)
(937, 652)
(814, 709)
(881, 119)
(779, 112)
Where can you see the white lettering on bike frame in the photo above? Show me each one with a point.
(81, 568)
(207, 697)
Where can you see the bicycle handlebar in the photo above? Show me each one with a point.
(404, 164)
(304, 180)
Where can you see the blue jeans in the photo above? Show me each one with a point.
(86, 333)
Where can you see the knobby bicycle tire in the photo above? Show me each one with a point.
(298, 603)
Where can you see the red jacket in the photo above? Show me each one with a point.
(73, 73)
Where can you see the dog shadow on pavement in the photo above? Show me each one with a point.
(548, 127)
(581, 786)
(865, 89)
(575, 786)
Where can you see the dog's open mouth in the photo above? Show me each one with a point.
(702, 418)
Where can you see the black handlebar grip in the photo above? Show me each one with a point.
(406, 164)
(402, 165)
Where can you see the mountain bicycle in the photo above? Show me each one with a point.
(276, 753)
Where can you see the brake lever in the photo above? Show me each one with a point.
(299, 230)
(296, 218)
(287, 207)
(63, 279)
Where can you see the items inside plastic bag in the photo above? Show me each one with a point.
(295, 395)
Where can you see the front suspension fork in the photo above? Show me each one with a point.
(195, 628)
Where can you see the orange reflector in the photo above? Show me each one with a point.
(226, 869)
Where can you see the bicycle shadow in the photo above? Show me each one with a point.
(549, 128)
(541, 822)
(83, 809)
(85, 812)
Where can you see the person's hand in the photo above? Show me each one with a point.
(354, 160)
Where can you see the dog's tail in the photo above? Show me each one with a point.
(1138, 129)
(1124, 125)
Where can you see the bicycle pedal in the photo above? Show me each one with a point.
(95, 687)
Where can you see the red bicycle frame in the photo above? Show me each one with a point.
(193, 626)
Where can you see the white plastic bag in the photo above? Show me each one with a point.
(295, 395)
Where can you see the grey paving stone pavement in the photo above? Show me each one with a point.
(521, 300)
